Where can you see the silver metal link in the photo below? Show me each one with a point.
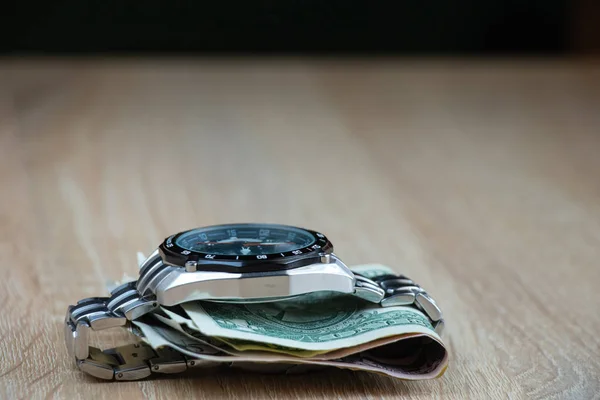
(429, 306)
(404, 298)
(135, 364)
(152, 271)
(368, 290)
(439, 327)
(168, 361)
(402, 291)
(128, 362)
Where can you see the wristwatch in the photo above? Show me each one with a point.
(223, 263)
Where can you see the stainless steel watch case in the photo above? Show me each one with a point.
(174, 284)
(175, 275)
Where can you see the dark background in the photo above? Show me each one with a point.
(300, 26)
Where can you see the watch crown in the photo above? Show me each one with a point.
(190, 266)
(326, 258)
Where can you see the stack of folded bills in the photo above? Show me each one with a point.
(294, 335)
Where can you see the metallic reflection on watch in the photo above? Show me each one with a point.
(224, 263)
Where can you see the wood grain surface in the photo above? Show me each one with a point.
(478, 179)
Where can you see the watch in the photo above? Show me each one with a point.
(223, 263)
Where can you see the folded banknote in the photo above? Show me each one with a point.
(317, 330)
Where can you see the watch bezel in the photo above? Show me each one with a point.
(176, 255)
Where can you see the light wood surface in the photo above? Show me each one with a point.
(478, 179)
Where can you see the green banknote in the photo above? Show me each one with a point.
(317, 322)
(321, 329)
(430, 359)
(186, 325)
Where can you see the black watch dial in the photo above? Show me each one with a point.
(246, 240)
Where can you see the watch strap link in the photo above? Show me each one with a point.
(129, 362)
(398, 290)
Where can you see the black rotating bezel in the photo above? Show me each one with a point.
(173, 254)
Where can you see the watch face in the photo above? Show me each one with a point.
(244, 247)
(245, 240)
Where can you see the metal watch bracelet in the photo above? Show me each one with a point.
(399, 290)
(138, 361)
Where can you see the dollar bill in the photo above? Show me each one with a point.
(424, 365)
(317, 330)
(241, 345)
(294, 315)
(307, 324)
(230, 346)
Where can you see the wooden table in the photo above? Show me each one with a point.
(478, 179)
